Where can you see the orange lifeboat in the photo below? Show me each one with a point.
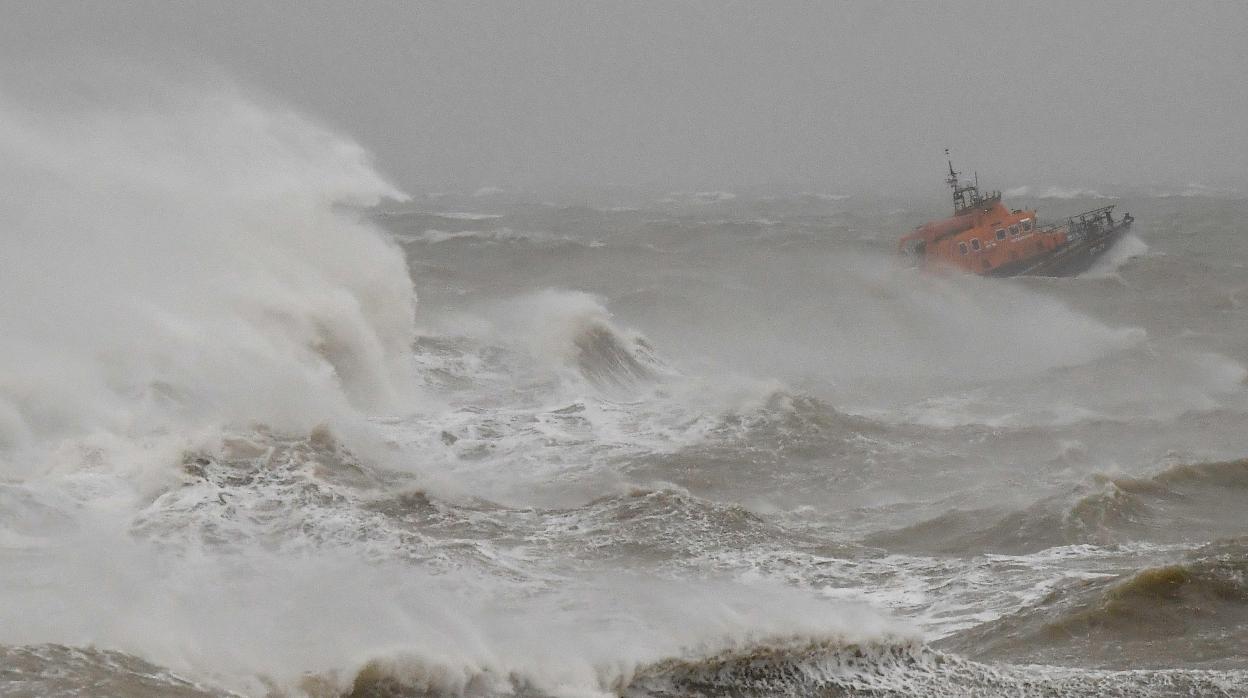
(984, 237)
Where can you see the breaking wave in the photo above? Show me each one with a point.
(1053, 192)
(57, 670)
(1196, 607)
(1122, 252)
(699, 198)
(196, 259)
(435, 236)
(562, 331)
(797, 666)
(1172, 506)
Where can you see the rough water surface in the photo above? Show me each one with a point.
(643, 444)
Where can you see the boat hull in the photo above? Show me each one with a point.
(1070, 259)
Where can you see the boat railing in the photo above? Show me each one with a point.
(975, 200)
(1091, 223)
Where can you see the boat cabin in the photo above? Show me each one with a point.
(982, 235)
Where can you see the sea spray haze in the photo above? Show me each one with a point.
(663, 448)
(176, 267)
(190, 292)
(191, 259)
(676, 437)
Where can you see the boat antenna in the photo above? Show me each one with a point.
(960, 199)
(952, 179)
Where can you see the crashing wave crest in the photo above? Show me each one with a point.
(196, 259)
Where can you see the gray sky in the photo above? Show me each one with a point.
(824, 96)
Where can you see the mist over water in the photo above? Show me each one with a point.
(705, 442)
(188, 259)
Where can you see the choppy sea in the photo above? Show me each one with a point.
(269, 427)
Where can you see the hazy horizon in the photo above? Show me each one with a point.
(830, 98)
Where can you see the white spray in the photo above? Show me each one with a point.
(187, 261)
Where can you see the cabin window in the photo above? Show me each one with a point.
(975, 244)
(1001, 234)
(1014, 229)
(1027, 224)
(962, 247)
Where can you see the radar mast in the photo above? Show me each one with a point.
(965, 196)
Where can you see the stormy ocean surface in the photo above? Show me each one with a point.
(625, 444)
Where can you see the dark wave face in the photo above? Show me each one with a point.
(796, 667)
(1182, 503)
(781, 667)
(49, 670)
(1196, 609)
(606, 360)
(637, 444)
